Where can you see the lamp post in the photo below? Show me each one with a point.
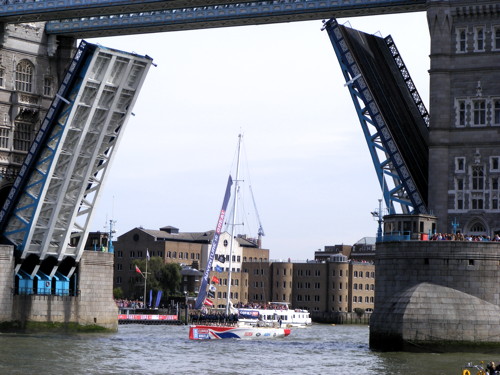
(379, 215)
(455, 224)
(186, 306)
(145, 283)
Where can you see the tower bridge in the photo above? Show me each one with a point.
(246, 12)
(446, 166)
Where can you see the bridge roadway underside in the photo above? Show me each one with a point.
(160, 16)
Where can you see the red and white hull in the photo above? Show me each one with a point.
(201, 332)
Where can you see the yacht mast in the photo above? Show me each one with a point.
(235, 204)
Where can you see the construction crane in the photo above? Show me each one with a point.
(261, 230)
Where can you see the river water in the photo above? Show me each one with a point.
(144, 349)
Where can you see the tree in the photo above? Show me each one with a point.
(118, 293)
(171, 277)
(161, 276)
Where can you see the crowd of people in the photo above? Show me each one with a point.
(461, 237)
(122, 303)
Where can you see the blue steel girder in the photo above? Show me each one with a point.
(59, 188)
(389, 162)
(199, 14)
(34, 161)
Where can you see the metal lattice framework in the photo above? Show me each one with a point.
(59, 185)
(395, 178)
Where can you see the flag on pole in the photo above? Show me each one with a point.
(212, 288)
(218, 268)
(138, 270)
(208, 302)
(147, 254)
(215, 280)
(158, 298)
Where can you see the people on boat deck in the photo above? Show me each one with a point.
(492, 369)
(217, 318)
(260, 322)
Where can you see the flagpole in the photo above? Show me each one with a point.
(235, 201)
(146, 277)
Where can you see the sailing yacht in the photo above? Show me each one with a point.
(229, 327)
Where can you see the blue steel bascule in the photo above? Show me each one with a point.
(397, 132)
(53, 197)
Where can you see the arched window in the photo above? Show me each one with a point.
(24, 76)
(477, 227)
(477, 178)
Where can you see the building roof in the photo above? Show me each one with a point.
(173, 235)
(246, 242)
(367, 241)
(169, 233)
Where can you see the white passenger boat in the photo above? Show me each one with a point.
(278, 314)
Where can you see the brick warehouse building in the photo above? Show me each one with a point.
(329, 285)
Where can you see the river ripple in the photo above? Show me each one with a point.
(138, 349)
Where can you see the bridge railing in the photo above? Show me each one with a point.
(395, 236)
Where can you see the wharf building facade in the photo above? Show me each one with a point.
(328, 289)
(190, 250)
(338, 281)
(329, 286)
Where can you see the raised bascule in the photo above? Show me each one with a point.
(437, 173)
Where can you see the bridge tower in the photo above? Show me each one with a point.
(445, 294)
(64, 109)
(31, 67)
(464, 150)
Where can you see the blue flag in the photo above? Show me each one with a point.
(158, 298)
(218, 268)
(204, 282)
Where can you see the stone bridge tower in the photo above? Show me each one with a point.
(464, 148)
(31, 67)
(439, 294)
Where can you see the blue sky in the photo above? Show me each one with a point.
(282, 87)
